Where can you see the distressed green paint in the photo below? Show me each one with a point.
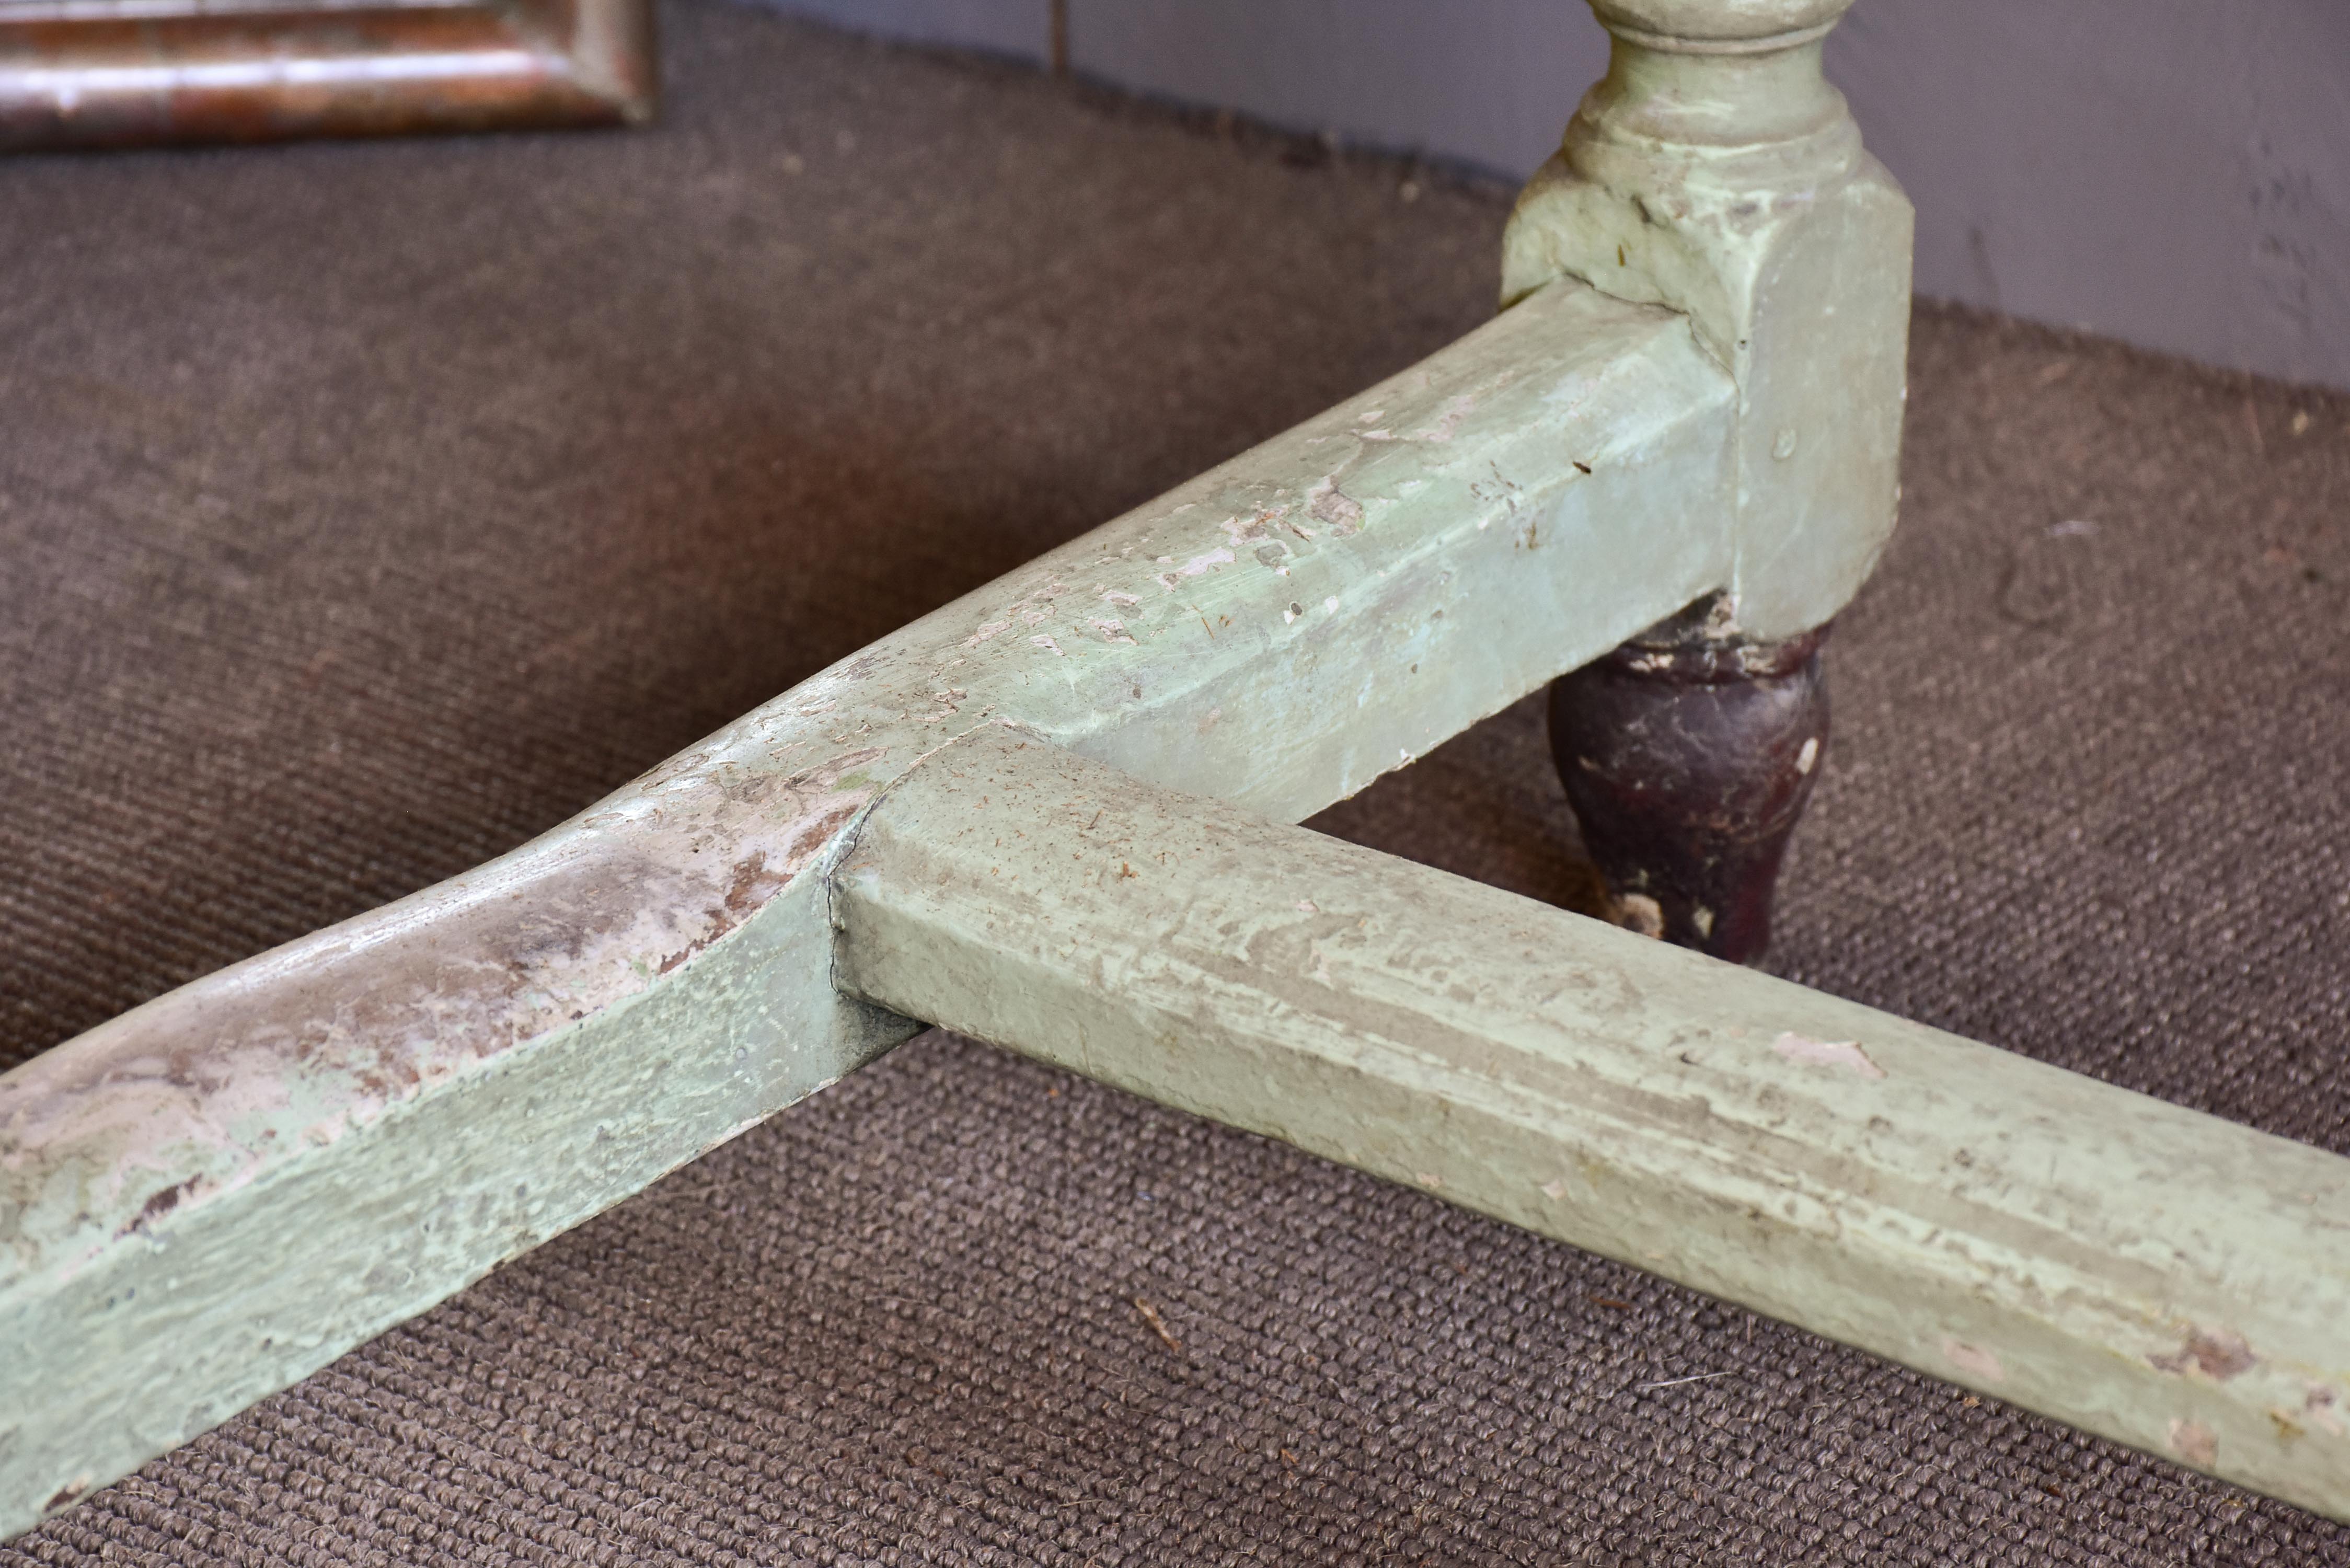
(2146, 1272)
(1715, 171)
(378, 1113)
(218, 1192)
(186, 1319)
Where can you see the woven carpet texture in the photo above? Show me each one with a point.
(368, 508)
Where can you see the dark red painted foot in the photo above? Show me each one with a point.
(1687, 758)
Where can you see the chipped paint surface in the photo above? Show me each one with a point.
(1978, 1366)
(216, 1298)
(2196, 1443)
(303, 1043)
(202, 1090)
(1206, 561)
(1845, 1054)
(307, 1067)
(2216, 1353)
(2149, 1273)
(1789, 248)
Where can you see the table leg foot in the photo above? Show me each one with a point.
(1688, 757)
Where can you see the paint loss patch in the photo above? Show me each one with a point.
(2216, 1353)
(1842, 1054)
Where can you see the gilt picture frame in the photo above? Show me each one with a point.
(121, 73)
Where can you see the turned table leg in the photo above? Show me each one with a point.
(1716, 172)
(1688, 757)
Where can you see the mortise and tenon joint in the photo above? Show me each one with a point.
(1715, 171)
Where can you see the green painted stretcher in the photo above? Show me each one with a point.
(1055, 814)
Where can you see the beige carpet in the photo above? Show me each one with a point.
(366, 509)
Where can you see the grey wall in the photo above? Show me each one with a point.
(2174, 172)
(1019, 28)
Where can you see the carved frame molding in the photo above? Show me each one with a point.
(120, 73)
